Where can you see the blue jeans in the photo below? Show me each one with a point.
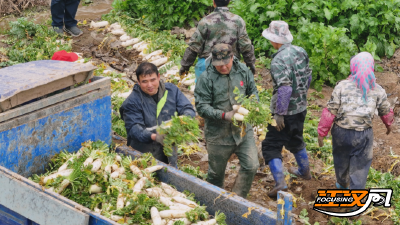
(63, 13)
(200, 67)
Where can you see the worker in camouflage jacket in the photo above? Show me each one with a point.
(214, 99)
(351, 110)
(291, 78)
(221, 26)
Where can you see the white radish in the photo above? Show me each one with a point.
(88, 161)
(208, 222)
(153, 169)
(184, 220)
(130, 42)
(64, 173)
(107, 169)
(139, 185)
(136, 171)
(65, 165)
(115, 174)
(166, 201)
(115, 26)
(142, 47)
(149, 56)
(121, 170)
(118, 158)
(156, 57)
(95, 189)
(97, 210)
(173, 214)
(64, 184)
(243, 111)
(188, 82)
(185, 201)
(135, 46)
(155, 192)
(238, 117)
(160, 62)
(114, 167)
(116, 218)
(155, 216)
(120, 201)
(96, 165)
(235, 107)
(98, 24)
(171, 191)
(192, 88)
(125, 37)
(118, 32)
(181, 206)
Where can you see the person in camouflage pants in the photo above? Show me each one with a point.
(351, 109)
(221, 26)
(291, 78)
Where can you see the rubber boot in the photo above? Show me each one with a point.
(304, 166)
(173, 160)
(276, 167)
(339, 186)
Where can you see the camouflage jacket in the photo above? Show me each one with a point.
(222, 26)
(350, 110)
(214, 96)
(289, 67)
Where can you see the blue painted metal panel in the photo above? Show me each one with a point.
(27, 149)
(285, 204)
(9, 217)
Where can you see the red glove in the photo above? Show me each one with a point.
(325, 123)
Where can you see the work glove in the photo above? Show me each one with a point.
(229, 115)
(280, 122)
(252, 67)
(183, 70)
(160, 138)
(320, 141)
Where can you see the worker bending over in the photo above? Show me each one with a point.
(221, 26)
(291, 77)
(151, 102)
(214, 100)
(351, 109)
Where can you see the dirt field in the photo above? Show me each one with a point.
(305, 191)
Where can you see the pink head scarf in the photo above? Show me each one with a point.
(362, 72)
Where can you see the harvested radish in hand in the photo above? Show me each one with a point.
(155, 216)
(241, 110)
(63, 173)
(185, 201)
(153, 169)
(95, 189)
(173, 214)
(171, 191)
(238, 117)
(139, 185)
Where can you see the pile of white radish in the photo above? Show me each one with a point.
(241, 112)
(116, 186)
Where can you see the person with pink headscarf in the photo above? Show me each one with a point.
(351, 110)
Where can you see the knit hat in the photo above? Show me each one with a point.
(278, 32)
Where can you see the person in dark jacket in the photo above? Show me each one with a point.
(152, 102)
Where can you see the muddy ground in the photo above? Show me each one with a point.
(305, 191)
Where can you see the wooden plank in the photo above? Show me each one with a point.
(37, 206)
(103, 82)
(50, 110)
(43, 90)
